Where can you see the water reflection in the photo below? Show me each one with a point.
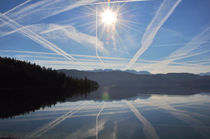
(158, 116)
(23, 101)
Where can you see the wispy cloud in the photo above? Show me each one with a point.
(71, 32)
(163, 13)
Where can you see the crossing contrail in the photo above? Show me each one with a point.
(27, 1)
(149, 130)
(113, 2)
(163, 13)
(39, 39)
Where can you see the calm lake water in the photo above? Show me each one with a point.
(145, 116)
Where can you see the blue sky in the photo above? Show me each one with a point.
(159, 36)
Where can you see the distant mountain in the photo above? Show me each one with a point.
(138, 72)
(129, 71)
(205, 74)
(122, 84)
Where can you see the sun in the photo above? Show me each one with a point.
(109, 17)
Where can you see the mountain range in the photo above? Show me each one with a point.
(124, 84)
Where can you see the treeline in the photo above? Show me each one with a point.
(17, 74)
(26, 87)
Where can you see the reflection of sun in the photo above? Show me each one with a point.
(109, 17)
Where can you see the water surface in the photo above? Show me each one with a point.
(144, 116)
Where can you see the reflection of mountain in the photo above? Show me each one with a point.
(205, 74)
(25, 87)
(119, 84)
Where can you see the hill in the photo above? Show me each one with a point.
(25, 87)
(120, 84)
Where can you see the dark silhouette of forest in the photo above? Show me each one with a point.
(26, 87)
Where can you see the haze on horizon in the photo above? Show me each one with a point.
(158, 36)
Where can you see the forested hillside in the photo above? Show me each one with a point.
(26, 87)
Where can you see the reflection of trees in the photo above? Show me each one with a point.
(26, 87)
(27, 100)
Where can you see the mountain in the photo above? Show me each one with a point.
(205, 74)
(138, 72)
(129, 71)
(122, 84)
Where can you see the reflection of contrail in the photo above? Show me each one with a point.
(86, 131)
(181, 115)
(54, 123)
(166, 9)
(97, 39)
(37, 38)
(149, 130)
(115, 130)
(97, 119)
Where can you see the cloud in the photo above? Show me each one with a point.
(70, 32)
(163, 13)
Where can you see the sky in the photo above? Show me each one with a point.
(159, 36)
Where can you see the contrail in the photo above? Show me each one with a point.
(7, 12)
(27, 1)
(97, 116)
(162, 14)
(186, 50)
(54, 123)
(97, 40)
(68, 31)
(48, 53)
(149, 130)
(37, 38)
(86, 131)
(113, 2)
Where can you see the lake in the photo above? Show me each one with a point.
(143, 116)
